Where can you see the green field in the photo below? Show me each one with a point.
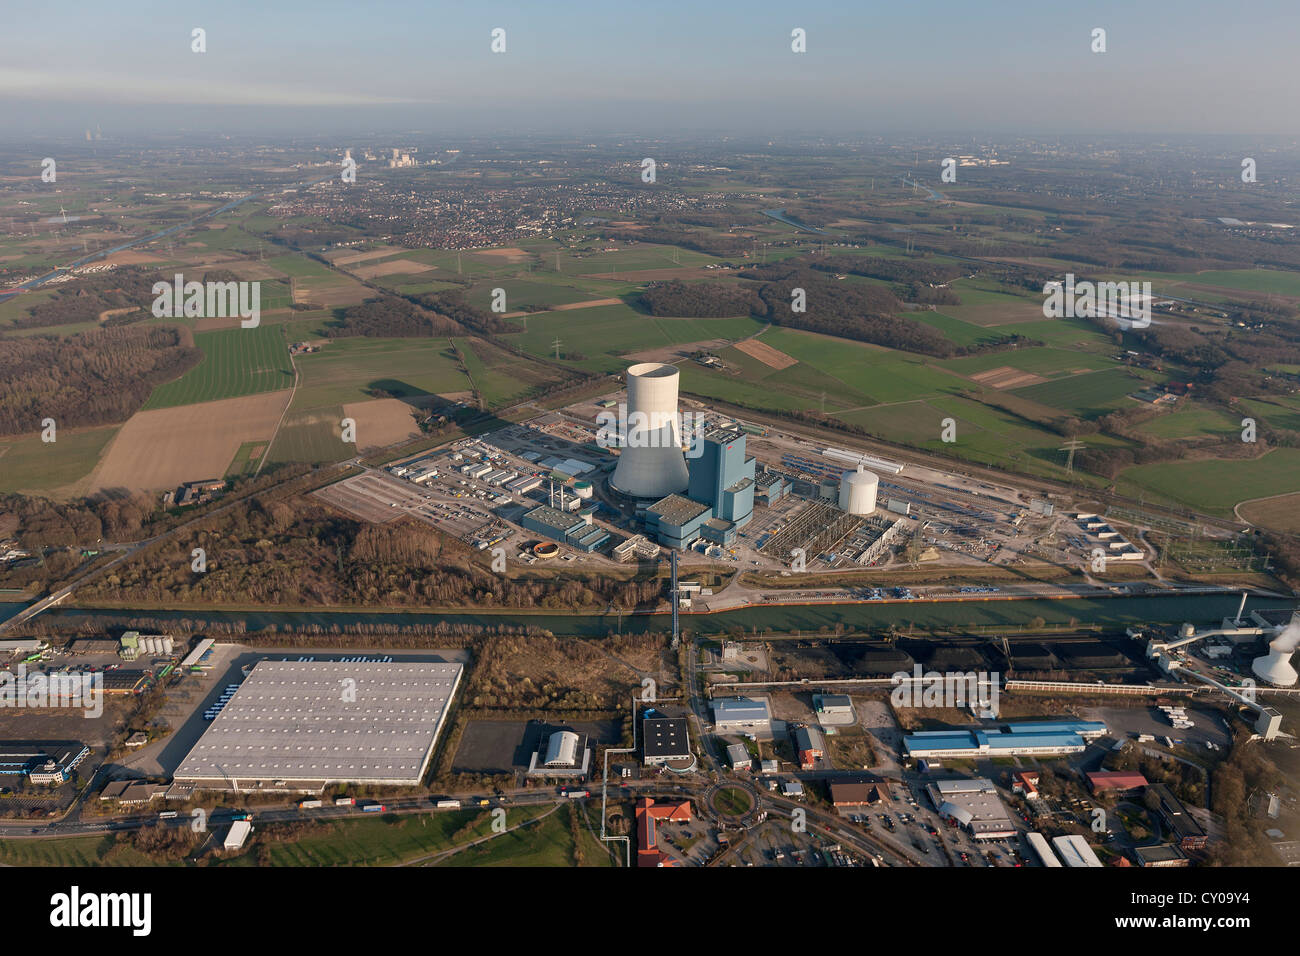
(235, 362)
(246, 459)
(604, 334)
(312, 436)
(1257, 281)
(548, 843)
(1214, 486)
(345, 368)
(1086, 396)
(299, 266)
(29, 464)
(1191, 421)
(498, 374)
(72, 851)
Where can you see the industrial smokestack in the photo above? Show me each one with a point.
(651, 464)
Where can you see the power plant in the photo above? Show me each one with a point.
(651, 464)
(1275, 667)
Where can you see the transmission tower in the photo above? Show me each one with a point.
(1071, 446)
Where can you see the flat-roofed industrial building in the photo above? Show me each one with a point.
(1074, 851)
(973, 804)
(665, 740)
(301, 726)
(1033, 738)
(741, 713)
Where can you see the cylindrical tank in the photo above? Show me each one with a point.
(652, 463)
(858, 492)
(582, 489)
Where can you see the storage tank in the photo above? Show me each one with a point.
(582, 489)
(652, 463)
(858, 492)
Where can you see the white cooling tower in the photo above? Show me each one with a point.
(652, 463)
(858, 492)
(1275, 667)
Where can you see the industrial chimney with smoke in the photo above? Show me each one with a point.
(652, 463)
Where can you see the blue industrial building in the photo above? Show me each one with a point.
(1032, 737)
(722, 477)
(719, 498)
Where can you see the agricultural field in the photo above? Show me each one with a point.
(312, 436)
(1087, 396)
(1215, 485)
(1257, 283)
(160, 448)
(1192, 421)
(235, 362)
(246, 459)
(30, 465)
(346, 369)
(500, 375)
(1281, 513)
(603, 334)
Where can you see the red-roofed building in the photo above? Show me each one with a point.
(1025, 782)
(648, 816)
(1102, 780)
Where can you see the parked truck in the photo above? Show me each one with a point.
(373, 808)
(344, 802)
(447, 804)
(310, 804)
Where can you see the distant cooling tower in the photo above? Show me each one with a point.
(652, 464)
(1275, 667)
(858, 492)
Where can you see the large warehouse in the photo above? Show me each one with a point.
(300, 726)
(1036, 738)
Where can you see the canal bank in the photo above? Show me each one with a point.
(941, 617)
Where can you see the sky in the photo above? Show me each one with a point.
(983, 67)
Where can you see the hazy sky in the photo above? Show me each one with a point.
(980, 66)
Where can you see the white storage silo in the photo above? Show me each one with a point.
(858, 492)
(652, 463)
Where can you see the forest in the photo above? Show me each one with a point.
(97, 377)
(294, 551)
(392, 317)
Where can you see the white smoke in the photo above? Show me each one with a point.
(1287, 641)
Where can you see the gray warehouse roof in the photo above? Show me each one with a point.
(677, 509)
(326, 721)
(740, 708)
